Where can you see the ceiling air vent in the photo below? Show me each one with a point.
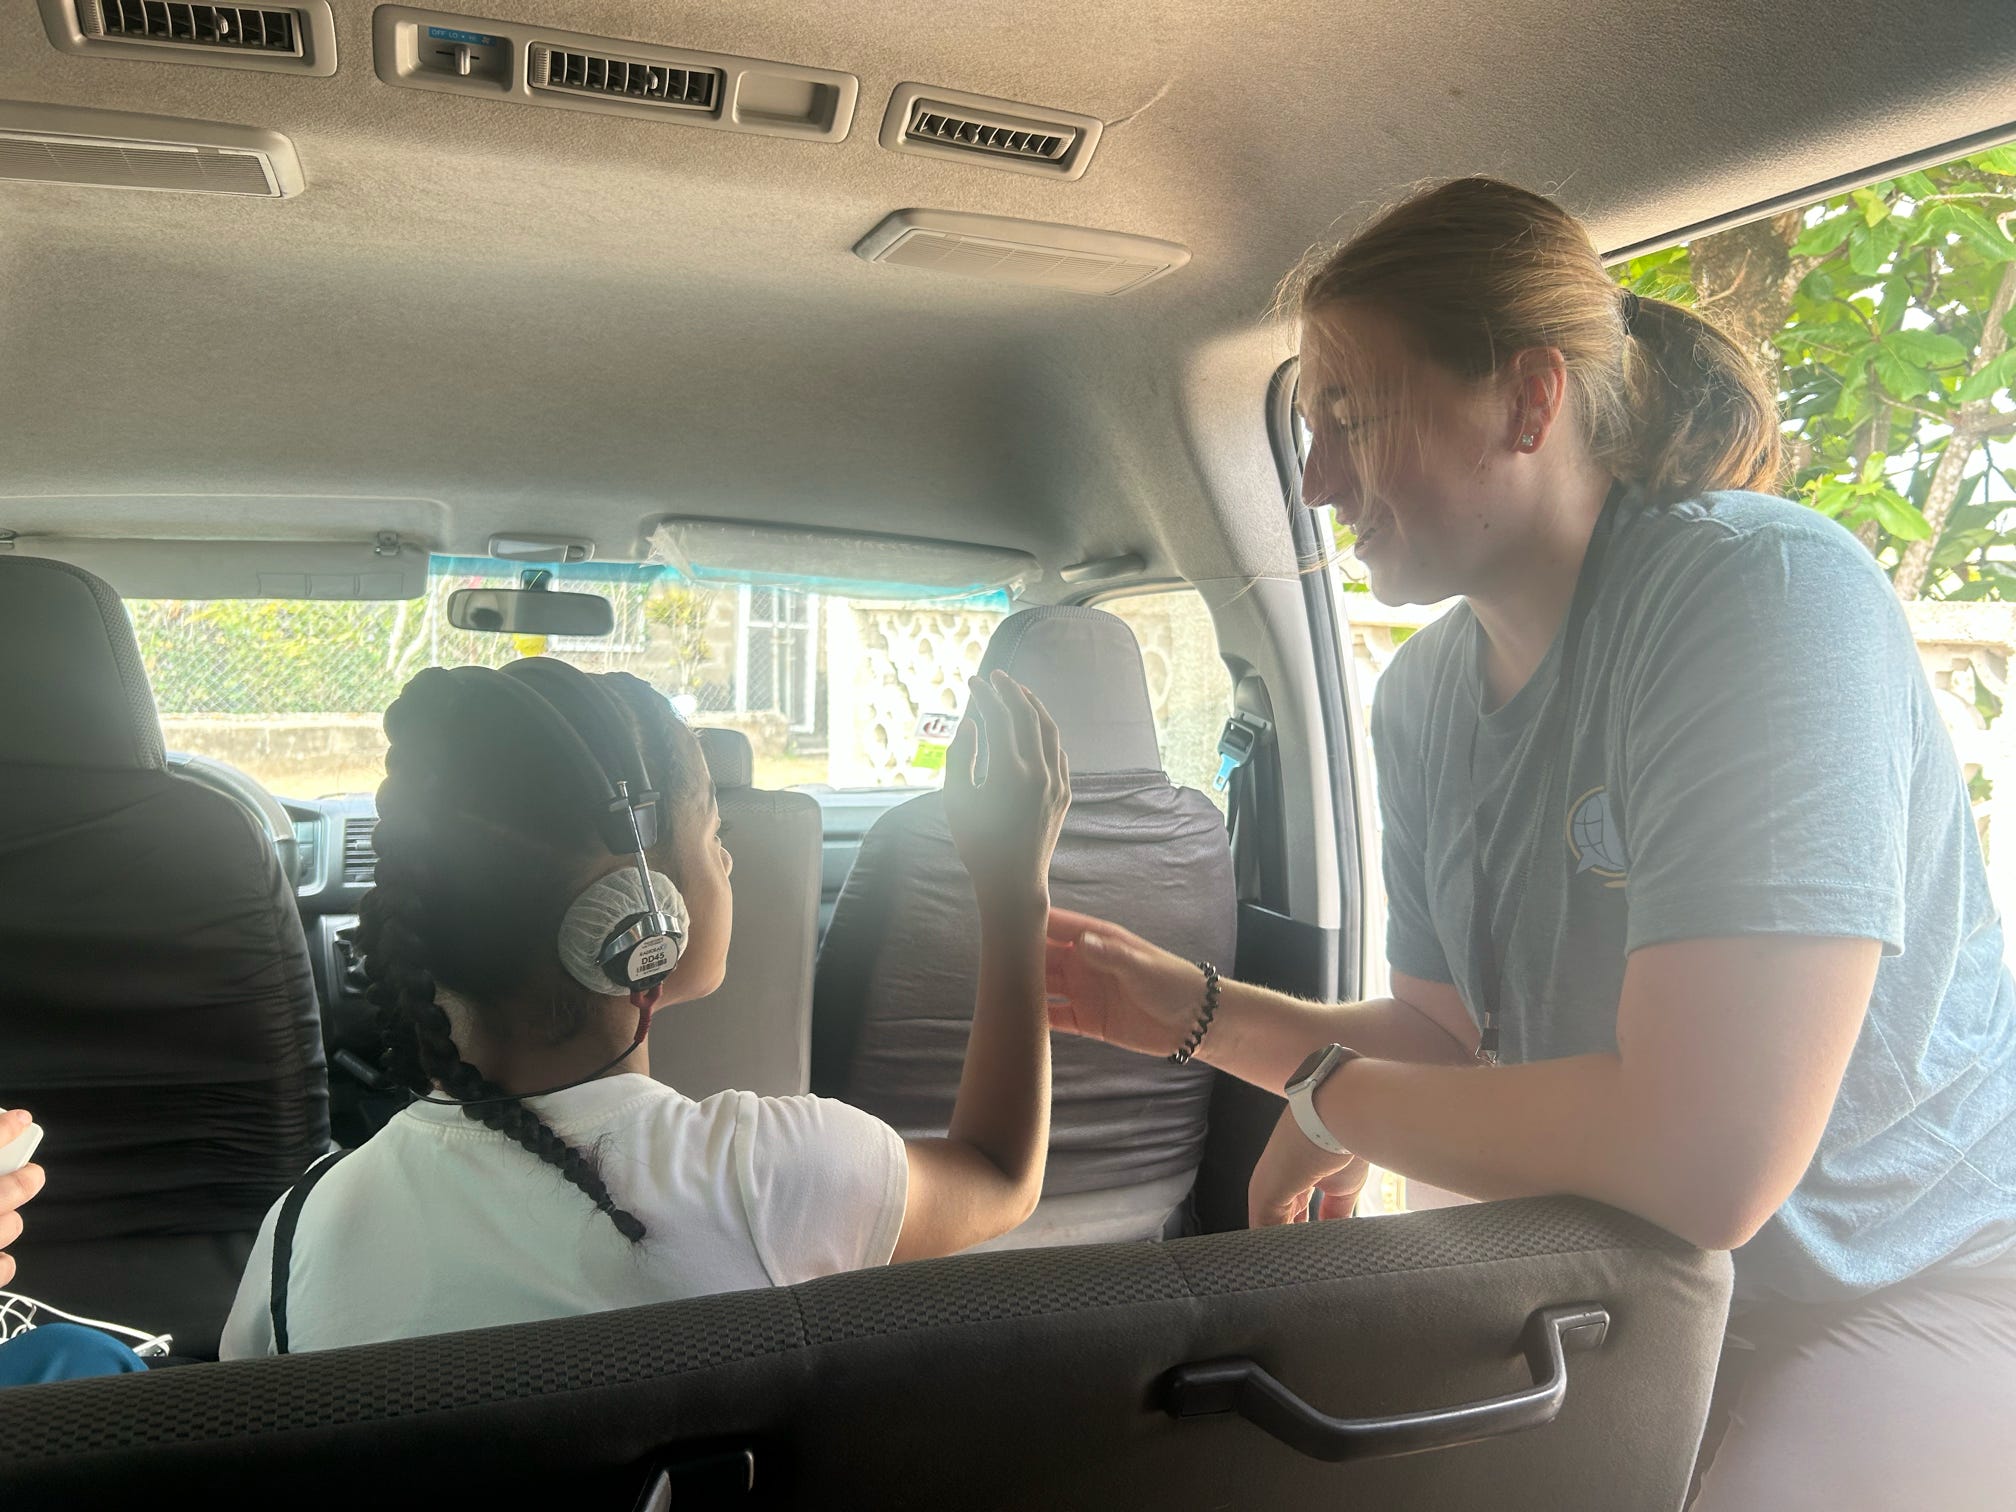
(1032, 253)
(233, 26)
(990, 133)
(360, 861)
(109, 149)
(557, 70)
(978, 133)
(623, 78)
(298, 38)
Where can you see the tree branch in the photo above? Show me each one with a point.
(1973, 423)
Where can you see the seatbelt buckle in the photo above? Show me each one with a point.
(1238, 741)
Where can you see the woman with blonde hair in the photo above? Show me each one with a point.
(1687, 909)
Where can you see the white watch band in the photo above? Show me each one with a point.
(1303, 1104)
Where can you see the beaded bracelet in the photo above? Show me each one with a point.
(1182, 1056)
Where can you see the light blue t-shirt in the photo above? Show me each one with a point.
(1754, 749)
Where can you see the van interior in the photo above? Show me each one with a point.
(816, 341)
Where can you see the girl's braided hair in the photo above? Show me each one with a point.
(484, 838)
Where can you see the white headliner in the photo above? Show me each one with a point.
(482, 316)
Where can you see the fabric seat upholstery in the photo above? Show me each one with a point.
(893, 1001)
(157, 1011)
(1030, 1380)
(754, 1032)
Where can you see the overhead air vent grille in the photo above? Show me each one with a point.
(109, 149)
(291, 38)
(623, 78)
(989, 133)
(974, 133)
(233, 26)
(360, 860)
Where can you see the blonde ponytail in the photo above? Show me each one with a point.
(1477, 270)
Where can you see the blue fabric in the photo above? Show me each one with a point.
(63, 1352)
(1754, 750)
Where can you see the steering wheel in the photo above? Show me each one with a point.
(273, 820)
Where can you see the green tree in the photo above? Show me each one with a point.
(678, 617)
(1886, 316)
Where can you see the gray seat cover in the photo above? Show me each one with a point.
(157, 1011)
(894, 995)
(754, 1032)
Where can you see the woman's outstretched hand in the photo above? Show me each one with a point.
(1005, 824)
(1106, 983)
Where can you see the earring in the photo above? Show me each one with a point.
(1526, 442)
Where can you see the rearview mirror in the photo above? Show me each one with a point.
(523, 611)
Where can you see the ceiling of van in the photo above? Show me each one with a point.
(482, 316)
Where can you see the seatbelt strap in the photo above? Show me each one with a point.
(283, 1241)
(1240, 741)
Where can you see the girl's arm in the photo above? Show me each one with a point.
(1729, 1056)
(984, 1176)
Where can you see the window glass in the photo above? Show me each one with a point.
(1187, 682)
(831, 690)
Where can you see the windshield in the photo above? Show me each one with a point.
(831, 690)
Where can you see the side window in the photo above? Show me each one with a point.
(1187, 682)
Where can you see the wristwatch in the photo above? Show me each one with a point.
(1301, 1093)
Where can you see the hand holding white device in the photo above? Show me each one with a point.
(18, 1151)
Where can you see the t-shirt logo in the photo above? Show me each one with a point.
(1595, 839)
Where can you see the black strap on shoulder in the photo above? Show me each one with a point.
(283, 1241)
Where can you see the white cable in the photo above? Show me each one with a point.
(14, 1321)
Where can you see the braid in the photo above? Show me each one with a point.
(417, 1035)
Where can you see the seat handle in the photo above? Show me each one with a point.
(1240, 1385)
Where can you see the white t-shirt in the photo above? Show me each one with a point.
(438, 1224)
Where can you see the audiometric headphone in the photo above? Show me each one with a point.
(641, 946)
(645, 917)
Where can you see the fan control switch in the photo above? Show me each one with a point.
(465, 54)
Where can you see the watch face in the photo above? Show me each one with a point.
(1308, 1067)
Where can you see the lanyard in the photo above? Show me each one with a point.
(1555, 730)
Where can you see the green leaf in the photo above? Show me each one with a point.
(1926, 348)
(1996, 160)
(1918, 185)
(1875, 209)
(1825, 237)
(1976, 231)
(1996, 377)
(1870, 247)
(1897, 515)
(1901, 378)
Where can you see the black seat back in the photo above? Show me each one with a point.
(157, 1011)
(893, 999)
(1032, 1379)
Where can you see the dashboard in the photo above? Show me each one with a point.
(335, 868)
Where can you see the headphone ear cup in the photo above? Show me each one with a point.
(614, 940)
(646, 961)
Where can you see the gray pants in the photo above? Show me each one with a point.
(1904, 1401)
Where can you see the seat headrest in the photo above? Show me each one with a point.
(1086, 667)
(73, 692)
(731, 760)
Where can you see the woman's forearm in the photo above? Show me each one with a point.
(1261, 1036)
(1571, 1126)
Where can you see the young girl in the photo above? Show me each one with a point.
(1673, 829)
(544, 1172)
